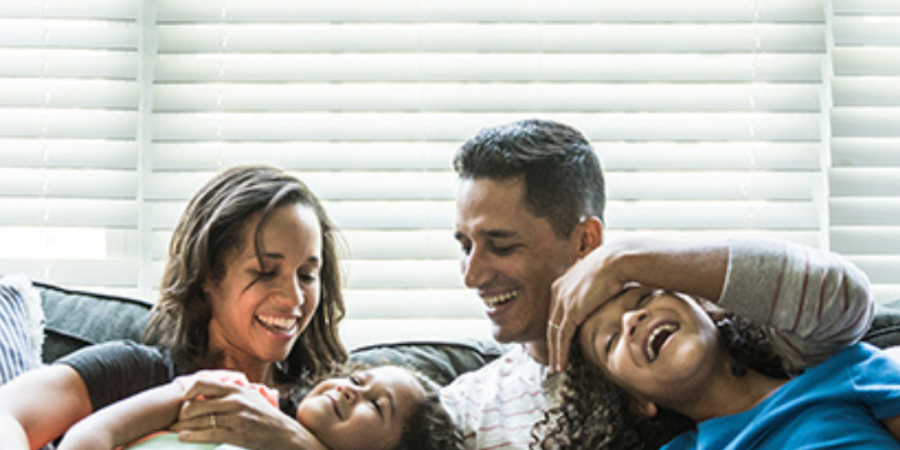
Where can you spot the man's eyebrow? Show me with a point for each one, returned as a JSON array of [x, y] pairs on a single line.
[[494, 233], [498, 234]]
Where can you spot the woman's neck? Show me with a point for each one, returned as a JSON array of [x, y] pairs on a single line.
[[256, 371], [730, 394]]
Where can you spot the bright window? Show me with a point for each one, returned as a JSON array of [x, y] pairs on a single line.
[[735, 117]]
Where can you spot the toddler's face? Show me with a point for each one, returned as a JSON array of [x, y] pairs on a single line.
[[366, 410]]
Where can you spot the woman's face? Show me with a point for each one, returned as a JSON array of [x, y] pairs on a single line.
[[259, 312], [364, 411], [657, 345]]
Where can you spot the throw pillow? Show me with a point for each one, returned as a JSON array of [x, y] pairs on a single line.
[[21, 327]]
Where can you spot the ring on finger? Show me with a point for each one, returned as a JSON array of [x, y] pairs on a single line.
[[553, 325], [213, 420]]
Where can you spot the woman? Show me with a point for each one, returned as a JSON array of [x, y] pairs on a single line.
[[380, 408], [251, 285], [658, 362]]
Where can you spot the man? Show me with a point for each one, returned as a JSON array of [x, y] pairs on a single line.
[[530, 207]]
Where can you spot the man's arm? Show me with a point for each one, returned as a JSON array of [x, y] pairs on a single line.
[[814, 302], [697, 268], [127, 420], [821, 301]]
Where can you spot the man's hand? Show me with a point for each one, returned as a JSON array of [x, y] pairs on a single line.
[[586, 286], [696, 268]]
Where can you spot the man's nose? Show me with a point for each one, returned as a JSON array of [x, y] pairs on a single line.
[[476, 268]]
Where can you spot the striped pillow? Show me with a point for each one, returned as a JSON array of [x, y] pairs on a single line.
[[21, 327]]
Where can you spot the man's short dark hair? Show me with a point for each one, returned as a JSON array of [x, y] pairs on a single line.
[[562, 175]]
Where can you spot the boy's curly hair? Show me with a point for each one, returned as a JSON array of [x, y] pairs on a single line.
[[595, 413]]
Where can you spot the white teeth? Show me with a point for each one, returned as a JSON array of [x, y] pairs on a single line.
[[670, 327], [500, 298], [280, 323]]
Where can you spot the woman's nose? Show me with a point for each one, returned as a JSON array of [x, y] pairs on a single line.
[[290, 289]]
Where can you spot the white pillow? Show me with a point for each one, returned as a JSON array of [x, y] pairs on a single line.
[[21, 327]]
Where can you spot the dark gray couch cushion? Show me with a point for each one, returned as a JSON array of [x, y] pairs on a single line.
[[440, 361], [885, 330], [76, 319]]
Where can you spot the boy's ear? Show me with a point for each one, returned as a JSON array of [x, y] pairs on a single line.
[[590, 235], [644, 408]]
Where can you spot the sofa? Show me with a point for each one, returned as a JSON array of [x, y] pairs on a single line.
[[74, 319]]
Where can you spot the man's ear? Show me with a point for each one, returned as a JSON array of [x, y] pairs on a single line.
[[590, 235], [644, 408]]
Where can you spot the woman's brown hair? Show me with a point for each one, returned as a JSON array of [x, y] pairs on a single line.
[[210, 229]]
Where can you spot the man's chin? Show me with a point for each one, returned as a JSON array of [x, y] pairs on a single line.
[[502, 336]]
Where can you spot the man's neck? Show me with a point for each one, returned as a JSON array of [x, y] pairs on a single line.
[[539, 351]]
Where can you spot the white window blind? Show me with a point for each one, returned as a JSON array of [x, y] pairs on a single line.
[[68, 121], [711, 119], [865, 138]]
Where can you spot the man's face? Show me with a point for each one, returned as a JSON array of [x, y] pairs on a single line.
[[510, 256]]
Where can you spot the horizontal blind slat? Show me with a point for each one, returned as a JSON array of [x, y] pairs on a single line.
[[68, 212], [488, 67], [864, 211], [499, 10], [577, 97], [449, 126], [491, 37]]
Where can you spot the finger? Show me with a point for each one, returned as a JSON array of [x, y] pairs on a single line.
[[565, 332], [208, 435], [209, 389], [556, 314]]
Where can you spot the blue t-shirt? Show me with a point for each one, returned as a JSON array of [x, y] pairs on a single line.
[[834, 405]]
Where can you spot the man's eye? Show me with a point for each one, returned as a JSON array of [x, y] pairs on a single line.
[[355, 380], [377, 407], [504, 249]]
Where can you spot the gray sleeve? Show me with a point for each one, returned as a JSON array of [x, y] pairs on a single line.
[[814, 302], [119, 369]]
